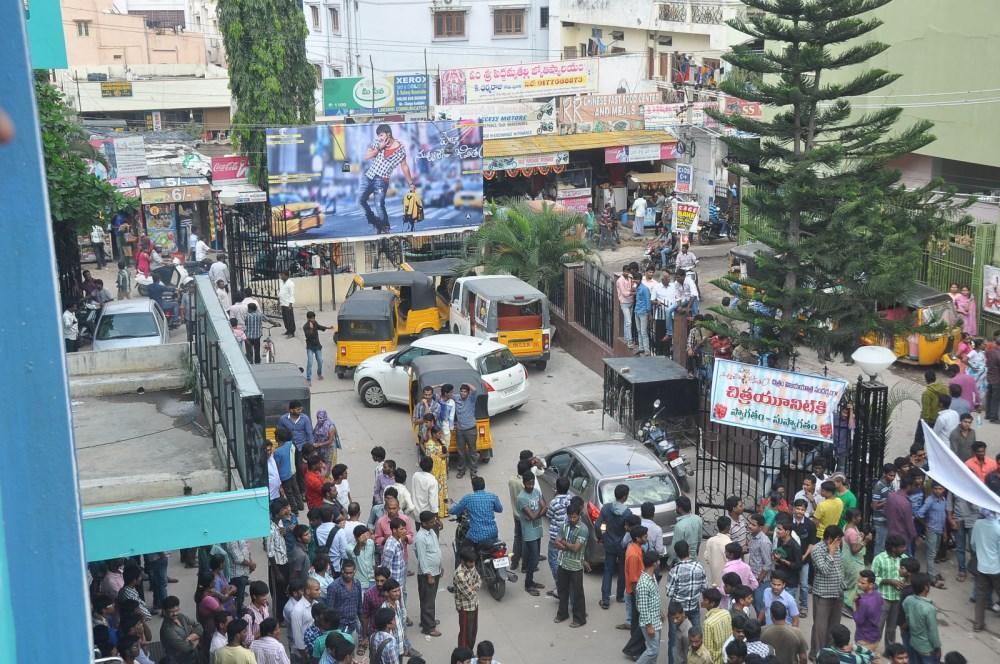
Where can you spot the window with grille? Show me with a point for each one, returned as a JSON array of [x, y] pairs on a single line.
[[544, 18], [314, 11], [83, 28], [449, 24], [334, 19], [508, 22]]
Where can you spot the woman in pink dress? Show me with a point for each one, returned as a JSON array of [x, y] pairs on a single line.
[[142, 265], [965, 304]]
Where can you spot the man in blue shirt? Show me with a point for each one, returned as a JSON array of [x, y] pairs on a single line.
[[480, 505], [298, 424], [156, 291], [284, 459], [467, 433], [643, 306]]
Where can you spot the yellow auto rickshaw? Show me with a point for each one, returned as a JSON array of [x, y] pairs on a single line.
[[443, 272], [366, 326], [928, 306], [417, 311], [743, 264], [437, 370]]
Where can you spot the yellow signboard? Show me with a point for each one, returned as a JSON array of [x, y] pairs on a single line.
[[116, 89]]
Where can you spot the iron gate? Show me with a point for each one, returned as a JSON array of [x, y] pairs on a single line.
[[258, 251]]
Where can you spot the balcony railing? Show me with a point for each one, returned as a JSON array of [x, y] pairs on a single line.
[[711, 14], [698, 12], [673, 11]]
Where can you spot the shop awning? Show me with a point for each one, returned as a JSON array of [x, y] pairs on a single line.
[[512, 147], [652, 178]]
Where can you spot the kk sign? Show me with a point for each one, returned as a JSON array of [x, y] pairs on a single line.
[[780, 402], [406, 93]]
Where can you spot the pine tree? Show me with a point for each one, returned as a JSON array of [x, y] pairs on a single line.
[[273, 84], [845, 233]]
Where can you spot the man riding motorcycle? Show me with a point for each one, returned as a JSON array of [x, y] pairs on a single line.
[[479, 506]]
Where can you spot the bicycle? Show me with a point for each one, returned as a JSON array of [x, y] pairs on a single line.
[[267, 354]]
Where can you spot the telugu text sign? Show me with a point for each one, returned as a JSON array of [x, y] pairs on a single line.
[[526, 161], [781, 402], [601, 113], [487, 84]]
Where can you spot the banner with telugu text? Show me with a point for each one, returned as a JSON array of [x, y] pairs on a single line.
[[783, 402]]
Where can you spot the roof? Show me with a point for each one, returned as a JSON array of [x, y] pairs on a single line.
[[434, 369], [921, 295], [502, 286], [751, 249], [458, 343], [648, 178], [511, 147], [396, 278], [619, 457], [441, 267], [646, 369], [281, 381], [133, 306], [365, 304]]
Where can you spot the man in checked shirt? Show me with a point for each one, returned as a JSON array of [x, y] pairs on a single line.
[[383, 156]]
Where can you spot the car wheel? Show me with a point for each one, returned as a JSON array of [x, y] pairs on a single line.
[[372, 395]]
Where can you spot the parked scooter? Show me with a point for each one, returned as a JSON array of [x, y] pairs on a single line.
[[660, 443], [492, 561]]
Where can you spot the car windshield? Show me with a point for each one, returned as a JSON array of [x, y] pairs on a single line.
[[656, 489], [127, 326], [498, 360]]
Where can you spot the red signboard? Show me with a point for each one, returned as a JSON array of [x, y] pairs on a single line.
[[229, 169]]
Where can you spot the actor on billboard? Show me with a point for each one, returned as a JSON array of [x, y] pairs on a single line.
[[383, 156]]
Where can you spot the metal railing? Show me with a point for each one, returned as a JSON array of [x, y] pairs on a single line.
[[258, 251], [594, 302], [386, 253], [234, 405], [673, 11]]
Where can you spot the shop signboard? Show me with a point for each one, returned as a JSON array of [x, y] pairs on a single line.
[[404, 93], [541, 79], [512, 120], [737, 106], [780, 402], [344, 182], [126, 156], [685, 214], [578, 204], [991, 290], [116, 88], [160, 222], [663, 117], [231, 169], [685, 175], [583, 114], [624, 154], [697, 117], [576, 192], [181, 194], [526, 161]]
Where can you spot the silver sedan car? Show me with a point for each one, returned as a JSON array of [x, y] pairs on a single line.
[[595, 469]]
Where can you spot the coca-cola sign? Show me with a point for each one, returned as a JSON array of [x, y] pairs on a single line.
[[229, 169]]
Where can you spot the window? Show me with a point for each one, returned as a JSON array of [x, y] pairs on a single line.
[[544, 18], [405, 358], [449, 24], [334, 19], [570, 52], [319, 74], [508, 22], [337, 73], [315, 18], [559, 462], [83, 28], [579, 478]]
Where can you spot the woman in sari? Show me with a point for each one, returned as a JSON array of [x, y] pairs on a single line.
[[965, 304], [437, 450], [852, 556], [327, 439], [976, 361]]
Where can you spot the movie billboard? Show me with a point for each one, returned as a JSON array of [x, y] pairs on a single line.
[[349, 182]]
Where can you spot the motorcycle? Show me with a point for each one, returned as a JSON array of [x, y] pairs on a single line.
[[718, 227], [660, 443], [492, 561]]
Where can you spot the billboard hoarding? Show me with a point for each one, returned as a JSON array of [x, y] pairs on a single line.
[[231, 169], [776, 401], [685, 215], [126, 157], [487, 84], [601, 113], [526, 161], [512, 120], [991, 290], [345, 182], [685, 177], [624, 154], [404, 93]]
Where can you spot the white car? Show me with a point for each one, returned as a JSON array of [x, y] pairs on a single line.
[[131, 323], [383, 378]]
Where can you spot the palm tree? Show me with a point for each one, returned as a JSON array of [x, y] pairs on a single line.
[[530, 244]]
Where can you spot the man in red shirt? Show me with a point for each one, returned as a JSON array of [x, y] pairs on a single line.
[[314, 482], [633, 570], [979, 463]]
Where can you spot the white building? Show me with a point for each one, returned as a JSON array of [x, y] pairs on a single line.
[[347, 37]]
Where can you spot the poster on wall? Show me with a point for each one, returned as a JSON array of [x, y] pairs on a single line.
[[780, 402], [624, 154], [126, 157], [513, 120], [685, 216], [160, 227], [601, 113], [404, 93], [338, 182], [526, 161], [685, 176], [663, 117], [487, 84], [991, 290]]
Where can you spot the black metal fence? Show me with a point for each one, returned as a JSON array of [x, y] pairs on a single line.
[[258, 251], [594, 302], [386, 253]]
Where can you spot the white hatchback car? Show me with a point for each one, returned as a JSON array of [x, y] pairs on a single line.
[[383, 378], [131, 323]]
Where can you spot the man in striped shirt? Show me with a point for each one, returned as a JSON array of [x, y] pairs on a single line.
[[267, 649], [647, 600], [556, 514], [718, 625]]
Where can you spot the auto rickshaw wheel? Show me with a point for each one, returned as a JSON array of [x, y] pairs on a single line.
[[341, 372], [485, 456], [541, 364], [426, 333]]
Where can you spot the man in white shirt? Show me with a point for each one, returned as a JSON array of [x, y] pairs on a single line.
[[638, 215], [425, 487], [286, 299], [71, 328], [201, 250], [302, 617], [674, 296], [219, 270], [273, 477], [344, 540], [97, 242], [239, 309], [691, 292], [224, 299], [809, 494], [686, 260], [406, 505], [947, 419], [192, 244]]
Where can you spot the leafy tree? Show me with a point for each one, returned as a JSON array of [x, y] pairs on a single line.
[[529, 244], [845, 233], [273, 84]]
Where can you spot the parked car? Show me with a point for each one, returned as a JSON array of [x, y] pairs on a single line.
[[383, 378], [595, 469], [131, 323]]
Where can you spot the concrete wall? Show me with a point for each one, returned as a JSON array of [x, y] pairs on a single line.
[[127, 360], [147, 95]]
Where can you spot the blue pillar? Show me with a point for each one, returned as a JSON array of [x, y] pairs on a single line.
[[43, 605]]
